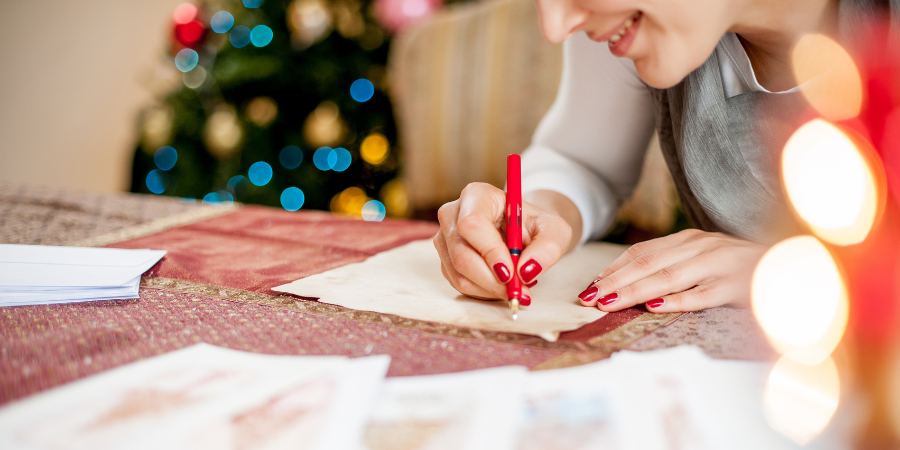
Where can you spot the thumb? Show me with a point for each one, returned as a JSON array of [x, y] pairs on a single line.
[[550, 237]]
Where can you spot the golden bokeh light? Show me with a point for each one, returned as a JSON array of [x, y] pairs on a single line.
[[799, 400], [349, 201], [800, 300], [829, 77], [324, 127], [374, 149], [396, 201], [223, 133], [830, 183], [262, 111]]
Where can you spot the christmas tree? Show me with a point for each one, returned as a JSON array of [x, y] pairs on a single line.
[[279, 103]]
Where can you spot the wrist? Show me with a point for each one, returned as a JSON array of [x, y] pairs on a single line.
[[555, 203]]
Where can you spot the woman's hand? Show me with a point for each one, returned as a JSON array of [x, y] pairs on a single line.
[[474, 257], [687, 271]]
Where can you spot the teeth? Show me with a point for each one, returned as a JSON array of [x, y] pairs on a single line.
[[629, 23], [621, 32], [615, 38]]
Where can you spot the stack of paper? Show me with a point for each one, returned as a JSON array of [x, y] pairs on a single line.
[[213, 398], [37, 274]]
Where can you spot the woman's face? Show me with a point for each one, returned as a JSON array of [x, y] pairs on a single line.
[[666, 39]]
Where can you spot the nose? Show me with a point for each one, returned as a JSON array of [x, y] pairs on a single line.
[[560, 18]]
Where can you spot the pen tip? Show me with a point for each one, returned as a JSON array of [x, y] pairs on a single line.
[[515, 316], [514, 306]]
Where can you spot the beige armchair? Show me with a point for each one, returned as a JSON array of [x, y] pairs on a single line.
[[469, 87]]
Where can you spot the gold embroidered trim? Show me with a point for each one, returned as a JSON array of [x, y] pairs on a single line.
[[616, 339], [156, 226], [597, 346]]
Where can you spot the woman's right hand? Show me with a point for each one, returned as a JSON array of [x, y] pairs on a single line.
[[471, 244]]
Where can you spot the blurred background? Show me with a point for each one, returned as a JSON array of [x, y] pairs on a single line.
[[371, 108]]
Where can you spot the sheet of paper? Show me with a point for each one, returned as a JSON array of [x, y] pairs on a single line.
[[570, 409], [461, 411], [407, 281], [40, 267], [163, 402]]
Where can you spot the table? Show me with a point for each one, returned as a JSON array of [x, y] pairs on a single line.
[[213, 286]]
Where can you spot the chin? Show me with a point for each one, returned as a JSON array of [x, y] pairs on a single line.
[[660, 76]]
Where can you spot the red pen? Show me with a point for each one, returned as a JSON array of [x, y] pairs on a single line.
[[514, 228]]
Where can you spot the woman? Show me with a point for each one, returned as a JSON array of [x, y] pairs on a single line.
[[714, 78]]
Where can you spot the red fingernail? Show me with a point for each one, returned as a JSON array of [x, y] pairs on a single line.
[[525, 300], [530, 270], [609, 299], [502, 272], [592, 283], [655, 303], [589, 294], [532, 283]]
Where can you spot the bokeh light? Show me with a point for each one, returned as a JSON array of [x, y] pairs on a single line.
[[165, 157], [262, 111], [238, 185], [184, 13], [362, 90], [799, 400], [221, 22], [223, 133], [189, 34], [829, 182], [374, 149], [260, 173], [373, 211], [324, 127], [342, 159], [261, 35], [800, 300], [253, 3], [186, 59], [157, 181], [828, 77], [239, 36], [349, 201], [218, 198], [324, 158], [292, 199], [194, 78], [290, 157], [393, 195]]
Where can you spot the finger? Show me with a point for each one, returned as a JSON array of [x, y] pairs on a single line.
[[550, 239], [653, 245], [458, 281], [471, 266], [642, 267], [675, 278], [481, 210], [695, 299]]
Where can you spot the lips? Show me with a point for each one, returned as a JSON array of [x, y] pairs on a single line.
[[620, 39]]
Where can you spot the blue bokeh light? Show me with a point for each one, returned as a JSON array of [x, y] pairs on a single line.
[[157, 181], [292, 199], [291, 157], [323, 158], [342, 159], [253, 3], [235, 181], [221, 22], [260, 173], [165, 157], [373, 211], [239, 36], [223, 198], [362, 90], [261, 35], [186, 60]]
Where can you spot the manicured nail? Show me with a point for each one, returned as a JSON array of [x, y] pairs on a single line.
[[655, 303], [530, 270], [593, 283], [609, 299], [532, 283], [525, 300], [589, 294], [502, 272]]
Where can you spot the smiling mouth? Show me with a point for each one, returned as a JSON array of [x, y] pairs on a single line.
[[626, 26]]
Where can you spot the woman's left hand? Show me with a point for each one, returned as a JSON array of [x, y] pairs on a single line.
[[687, 271]]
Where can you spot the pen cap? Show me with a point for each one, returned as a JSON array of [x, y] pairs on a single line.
[[514, 202]]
